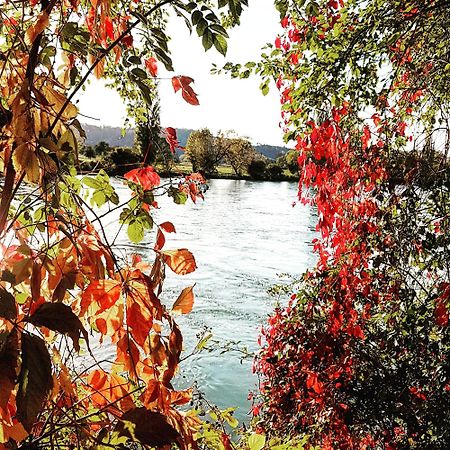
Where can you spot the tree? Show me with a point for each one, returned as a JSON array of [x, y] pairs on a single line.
[[359, 358], [60, 274], [238, 152], [257, 168], [203, 151]]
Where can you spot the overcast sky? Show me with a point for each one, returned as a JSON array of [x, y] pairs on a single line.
[[225, 104]]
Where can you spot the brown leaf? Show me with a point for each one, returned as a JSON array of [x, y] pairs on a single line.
[[8, 308], [147, 427], [185, 301], [35, 380], [59, 317], [181, 261], [25, 160], [37, 28]]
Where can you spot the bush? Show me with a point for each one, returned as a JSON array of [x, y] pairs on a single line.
[[257, 169]]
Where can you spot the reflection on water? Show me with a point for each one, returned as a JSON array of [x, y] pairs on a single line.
[[242, 236]]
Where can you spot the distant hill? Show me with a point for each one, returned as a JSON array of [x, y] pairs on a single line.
[[113, 136]]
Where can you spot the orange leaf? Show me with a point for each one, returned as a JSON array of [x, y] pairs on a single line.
[[37, 28], [181, 261], [103, 292], [185, 301], [139, 322]]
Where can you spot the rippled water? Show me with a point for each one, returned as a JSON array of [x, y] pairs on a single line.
[[243, 235]]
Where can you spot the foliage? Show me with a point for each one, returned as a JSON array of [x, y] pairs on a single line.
[[203, 152], [61, 276], [359, 358], [239, 152], [257, 168]]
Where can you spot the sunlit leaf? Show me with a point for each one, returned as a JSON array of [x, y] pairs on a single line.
[[185, 301], [181, 261]]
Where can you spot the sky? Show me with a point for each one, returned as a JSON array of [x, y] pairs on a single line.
[[225, 104]]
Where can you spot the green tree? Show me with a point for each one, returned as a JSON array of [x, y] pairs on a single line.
[[203, 152]]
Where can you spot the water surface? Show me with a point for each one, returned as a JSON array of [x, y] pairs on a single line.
[[243, 235]]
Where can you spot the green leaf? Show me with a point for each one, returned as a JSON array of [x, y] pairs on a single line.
[[35, 380], [256, 441], [196, 16], [202, 26], [135, 231], [220, 43], [219, 29], [207, 40], [179, 197], [140, 73]]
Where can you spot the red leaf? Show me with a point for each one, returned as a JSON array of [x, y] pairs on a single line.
[[441, 314], [167, 227], [145, 177], [172, 140], [183, 83], [151, 66], [160, 241]]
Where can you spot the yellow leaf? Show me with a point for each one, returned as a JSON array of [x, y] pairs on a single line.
[[185, 301], [25, 159], [57, 100], [37, 28]]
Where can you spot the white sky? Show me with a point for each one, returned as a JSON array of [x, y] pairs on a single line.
[[225, 104]]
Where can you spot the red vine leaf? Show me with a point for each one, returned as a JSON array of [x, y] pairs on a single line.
[[184, 83]]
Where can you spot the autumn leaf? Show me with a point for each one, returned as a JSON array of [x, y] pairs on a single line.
[[35, 379], [172, 140], [60, 317], [168, 227], [160, 241], [104, 293], [184, 83], [37, 28], [181, 261], [152, 66], [147, 427], [185, 301], [145, 177], [25, 160]]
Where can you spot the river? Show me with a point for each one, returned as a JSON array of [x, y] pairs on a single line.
[[243, 235]]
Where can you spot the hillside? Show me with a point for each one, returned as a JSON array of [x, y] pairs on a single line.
[[113, 136]]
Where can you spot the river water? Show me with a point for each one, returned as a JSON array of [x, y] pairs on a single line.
[[243, 235]]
